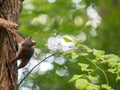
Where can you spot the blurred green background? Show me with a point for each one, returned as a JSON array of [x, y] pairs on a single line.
[[43, 19]]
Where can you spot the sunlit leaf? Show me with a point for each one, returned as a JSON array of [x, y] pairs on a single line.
[[106, 87], [118, 77], [67, 39], [74, 55], [98, 53], [112, 60], [93, 79], [112, 57], [81, 84], [75, 77], [84, 54], [83, 66], [87, 48], [93, 87], [111, 70]]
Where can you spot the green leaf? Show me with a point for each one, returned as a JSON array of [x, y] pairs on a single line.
[[84, 54], [74, 55], [93, 79], [98, 53], [112, 60], [93, 87], [81, 84], [118, 77], [112, 57], [67, 39], [111, 70], [75, 77], [87, 48], [83, 66], [106, 87]]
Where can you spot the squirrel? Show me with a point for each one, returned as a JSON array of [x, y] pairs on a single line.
[[25, 49]]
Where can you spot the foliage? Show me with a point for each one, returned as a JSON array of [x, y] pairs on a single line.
[[91, 69], [90, 79]]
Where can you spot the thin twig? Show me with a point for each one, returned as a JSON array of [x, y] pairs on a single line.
[[35, 67], [105, 75], [40, 63]]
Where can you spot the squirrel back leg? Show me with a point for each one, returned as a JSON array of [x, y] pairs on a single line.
[[18, 56]]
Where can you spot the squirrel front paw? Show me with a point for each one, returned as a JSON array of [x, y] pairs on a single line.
[[7, 24], [10, 26]]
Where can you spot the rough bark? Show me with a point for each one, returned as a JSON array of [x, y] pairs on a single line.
[[9, 10]]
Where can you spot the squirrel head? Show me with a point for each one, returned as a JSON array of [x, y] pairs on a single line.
[[28, 42]]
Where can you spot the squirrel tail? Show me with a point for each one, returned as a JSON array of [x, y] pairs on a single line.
[[24, 61]]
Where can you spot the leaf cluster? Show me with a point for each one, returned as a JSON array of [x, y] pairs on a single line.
[[97, 60]]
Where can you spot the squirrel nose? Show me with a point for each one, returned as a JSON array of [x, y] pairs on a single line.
[[33, 43]]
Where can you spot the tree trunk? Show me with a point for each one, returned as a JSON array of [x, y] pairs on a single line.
[[9, 10]]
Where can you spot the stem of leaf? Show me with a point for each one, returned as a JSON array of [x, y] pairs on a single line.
[[105, 75]]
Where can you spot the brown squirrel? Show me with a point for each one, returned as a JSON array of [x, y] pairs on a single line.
[[25, 49]]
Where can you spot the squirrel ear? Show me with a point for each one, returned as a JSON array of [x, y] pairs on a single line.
[[30, 37]]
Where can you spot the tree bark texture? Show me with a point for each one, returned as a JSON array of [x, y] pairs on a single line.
[[9, 10]]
